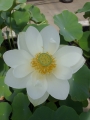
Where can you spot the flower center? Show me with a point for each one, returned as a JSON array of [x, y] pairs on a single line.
[[44, 59], [44, 63]]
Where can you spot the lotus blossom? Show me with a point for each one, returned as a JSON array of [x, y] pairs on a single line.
[[42, 65]]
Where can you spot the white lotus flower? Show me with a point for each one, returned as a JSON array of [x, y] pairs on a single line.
[[41, 66]]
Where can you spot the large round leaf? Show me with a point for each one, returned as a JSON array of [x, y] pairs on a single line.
[[5, 4], [5, 110], [84, 42], [69, 26], [79, 84], [20, 107]]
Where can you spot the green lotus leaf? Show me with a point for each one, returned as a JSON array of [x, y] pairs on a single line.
[[86, 15], [51, 105], [16, 28], [43, 113], [36, 15], [79, 84], [21, 17], [66, 113], [5, 4], [70, 29], [84, 42], [4, 89], [85, 115], [20, 107], [62, 113], [5, 110], [15, 92], [76, 105], [85, 103], [85, 8]]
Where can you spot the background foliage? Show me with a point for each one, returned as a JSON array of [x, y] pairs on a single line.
[[15, 104]]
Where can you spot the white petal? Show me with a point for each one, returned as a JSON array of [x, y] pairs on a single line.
[[18, 83], [33, 40], [51, 39], [62, 72], [39, 101], [57, 88], [22, 42], [22, 70], [76, 67], [68, 55], [14, 58], [37, 86]]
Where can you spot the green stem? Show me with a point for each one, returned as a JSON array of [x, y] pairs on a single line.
[[9, 42], [11, 32], [89, 23], [9, 39]]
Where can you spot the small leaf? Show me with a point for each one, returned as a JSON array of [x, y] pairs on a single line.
[[69, 26], [4, 89], [5, 110], [5, 4], [86, 8], [36, 15], [51, 99], [86, 15], [16, 91], [21, 17], [15, 27], [43, 113], [85, 115], [51, 105], [79, 84], [20, 107], [77, 106], [66, 113], [84, 42], [85, 103]]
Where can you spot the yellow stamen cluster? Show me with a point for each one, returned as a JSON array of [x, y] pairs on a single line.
[[44, 63]]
